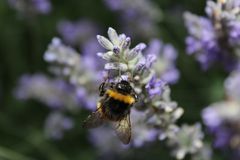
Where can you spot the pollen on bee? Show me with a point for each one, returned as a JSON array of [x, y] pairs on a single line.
[[118, 96]]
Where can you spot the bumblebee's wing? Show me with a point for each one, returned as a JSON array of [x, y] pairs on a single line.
[[123, 129], [95, 119]]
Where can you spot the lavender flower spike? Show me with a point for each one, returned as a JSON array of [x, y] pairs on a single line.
[[188, 140], [154, 116], [222, 118], [118, 46], [68, 63], [55, 93], [165, 56], [215, 38]]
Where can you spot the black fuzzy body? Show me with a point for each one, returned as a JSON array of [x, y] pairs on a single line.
[[113, 109]]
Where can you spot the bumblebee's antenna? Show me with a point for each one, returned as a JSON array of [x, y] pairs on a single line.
[[103, 85]]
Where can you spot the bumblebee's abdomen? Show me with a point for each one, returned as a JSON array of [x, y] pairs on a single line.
[[114, 109], [127, 99], [117, 106]]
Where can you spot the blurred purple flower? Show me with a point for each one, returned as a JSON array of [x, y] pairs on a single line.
[[165, 60], [77, 33], [146, 15], [87, 100], [141, 132], [216, 127], [34, 6], [56, 124], [188, 139], [82, 34], [104, 139], [42, 6], [169, 52], [170, 76], [90, 58], [201, 40], [83, 71], [211, 118], [55, 93], [232, 84], [114, 4], [222, 118], [222, 123], [234, 32], [222, 137], [216, 38]]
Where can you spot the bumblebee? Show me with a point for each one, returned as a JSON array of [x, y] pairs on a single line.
[[114, 106]]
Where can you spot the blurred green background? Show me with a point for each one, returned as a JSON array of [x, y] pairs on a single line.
[[22, 44]]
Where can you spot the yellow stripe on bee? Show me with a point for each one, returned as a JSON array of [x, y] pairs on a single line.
[[118, 96]]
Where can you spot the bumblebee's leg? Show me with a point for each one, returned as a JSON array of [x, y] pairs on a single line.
[[102, 89], [112, 85], [98, 105], [135, 95]]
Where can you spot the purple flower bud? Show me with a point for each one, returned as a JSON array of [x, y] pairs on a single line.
[[116, 50], [150, 59], [140, 47], [127, 43], [155, 87]]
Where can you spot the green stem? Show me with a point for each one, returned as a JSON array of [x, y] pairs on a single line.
[[8, 154]]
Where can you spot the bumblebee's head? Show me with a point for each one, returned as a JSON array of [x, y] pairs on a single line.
[[124, 87]]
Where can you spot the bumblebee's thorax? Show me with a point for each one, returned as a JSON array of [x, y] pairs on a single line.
[[122, 97]]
